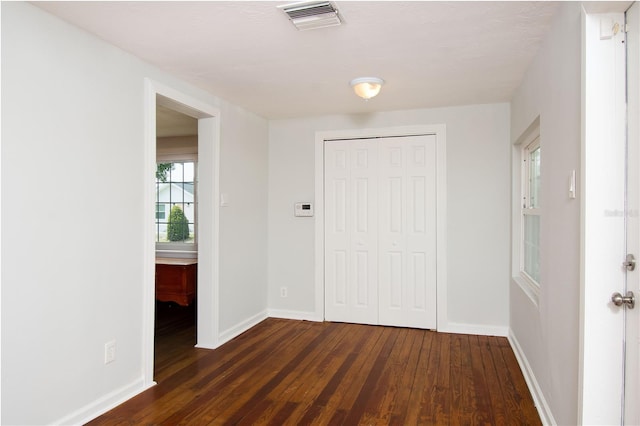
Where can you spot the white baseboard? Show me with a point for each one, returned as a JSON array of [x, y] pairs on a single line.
[[480, 330], [536, 393], [240, 328], [295, 315], [104, 404]]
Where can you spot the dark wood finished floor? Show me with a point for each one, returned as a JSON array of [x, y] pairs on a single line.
[[285, 372]]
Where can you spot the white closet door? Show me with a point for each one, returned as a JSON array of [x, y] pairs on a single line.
[[407, 231], [351, 272], [380, 231]]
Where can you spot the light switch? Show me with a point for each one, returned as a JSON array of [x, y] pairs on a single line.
[[572, 184], [224, 199]]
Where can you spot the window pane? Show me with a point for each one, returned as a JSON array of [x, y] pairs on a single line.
[[162, 193], [161, 233], [189, 172], [160, 211], [177, 172], [177, 192], [534, 178], [189, 192], [531, 246], [162, 171]]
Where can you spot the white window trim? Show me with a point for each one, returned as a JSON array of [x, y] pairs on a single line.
[[531, 137], [181, 249]]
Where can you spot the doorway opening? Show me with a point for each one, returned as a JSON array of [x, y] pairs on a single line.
[[176, 224], [197, 245]]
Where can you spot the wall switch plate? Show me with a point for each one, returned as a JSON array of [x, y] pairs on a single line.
[[109, 352], [283, 292]]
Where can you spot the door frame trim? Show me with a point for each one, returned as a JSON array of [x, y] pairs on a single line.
[[438, 130], [208, 213]]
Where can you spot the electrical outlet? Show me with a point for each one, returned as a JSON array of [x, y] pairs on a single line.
[[283, 292], [109, 352]]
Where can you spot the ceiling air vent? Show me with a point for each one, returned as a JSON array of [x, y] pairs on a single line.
[[308, 15]]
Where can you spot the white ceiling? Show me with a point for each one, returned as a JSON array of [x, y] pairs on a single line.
[[430, 54]]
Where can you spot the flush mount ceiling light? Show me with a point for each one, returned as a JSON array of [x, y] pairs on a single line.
[[308, 15], [367, 87]]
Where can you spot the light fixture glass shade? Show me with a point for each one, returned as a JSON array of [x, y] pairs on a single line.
[[367, 87]]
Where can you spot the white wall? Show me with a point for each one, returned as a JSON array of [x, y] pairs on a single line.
[[478, 185], [548, 333], [243, 222], [72, 110]]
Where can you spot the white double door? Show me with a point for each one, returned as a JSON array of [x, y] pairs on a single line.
[[380, 231]]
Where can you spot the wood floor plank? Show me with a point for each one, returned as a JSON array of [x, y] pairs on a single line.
[[498, 409], [409, 361], [302, 357], [423, 388], [329, 376], [389, 385], [342, 400], [526, 407], [456, 380], [442, 402], [303, 383], [284, 372], [244, 383], [233, 372], [515, 394], [483, 414], [359, 406]]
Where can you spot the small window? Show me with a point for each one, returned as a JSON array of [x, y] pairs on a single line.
[[530, 248], [176, 204]]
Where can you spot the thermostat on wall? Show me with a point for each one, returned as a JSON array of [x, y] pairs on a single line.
[[303, 209]]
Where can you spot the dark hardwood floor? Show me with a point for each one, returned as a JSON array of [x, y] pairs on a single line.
[[285, 372]]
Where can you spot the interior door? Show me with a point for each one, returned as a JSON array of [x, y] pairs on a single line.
[[407, 231], [351, 231], [632, 320], [603, 220], [380, 231]]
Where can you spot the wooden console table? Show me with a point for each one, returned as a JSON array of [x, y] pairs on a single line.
[[176, 280]]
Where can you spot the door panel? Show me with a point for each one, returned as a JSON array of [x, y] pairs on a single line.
[[340, 278], [603, 221], [407, 234], [391, 238], [337, 174], [351, 231], [421, 233]]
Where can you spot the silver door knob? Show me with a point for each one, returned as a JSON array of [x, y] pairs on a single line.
[[620, 300]]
